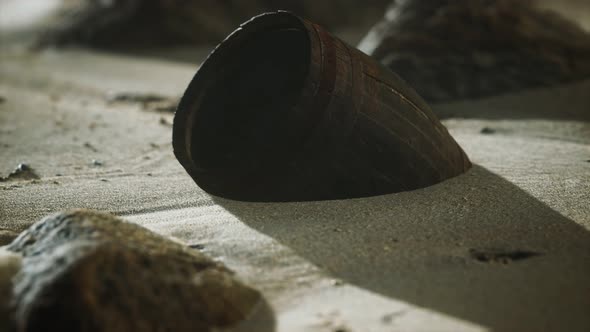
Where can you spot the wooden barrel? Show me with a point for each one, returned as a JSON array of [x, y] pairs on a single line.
[[282, 110]]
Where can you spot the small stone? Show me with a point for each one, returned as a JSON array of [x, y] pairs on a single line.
[[21, 172], [90, 271], [90, 146], [22, 168], [97, 163], [487, 131], [164, 122], [492, 255], [337, 282]]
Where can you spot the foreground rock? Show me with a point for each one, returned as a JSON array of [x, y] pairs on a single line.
[[6, 236], [10, 264], [90, 271], [449, 50]]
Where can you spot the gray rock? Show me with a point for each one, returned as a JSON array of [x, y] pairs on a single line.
[[21, 172], [451, 50], [90, 271], [10, 264], [121, 23], [6, 236]]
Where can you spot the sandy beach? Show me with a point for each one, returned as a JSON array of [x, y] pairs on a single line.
[[504, 247]]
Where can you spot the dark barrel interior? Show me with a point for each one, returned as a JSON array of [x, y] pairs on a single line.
[[246, 127], [272, 115]]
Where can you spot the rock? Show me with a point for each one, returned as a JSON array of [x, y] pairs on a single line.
[[6, 236], [487, 131], [90, 271], [21, 172], [122, 23], [494, 255], [10, 264], [450, 50]]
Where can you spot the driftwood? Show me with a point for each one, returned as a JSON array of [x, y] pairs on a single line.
[[281, 110]]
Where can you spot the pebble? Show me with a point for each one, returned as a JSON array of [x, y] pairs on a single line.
[[487, 131], [21, 172]]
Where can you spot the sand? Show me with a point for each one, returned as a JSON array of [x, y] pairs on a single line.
[[504, 247]]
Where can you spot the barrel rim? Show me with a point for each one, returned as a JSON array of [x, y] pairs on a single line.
[[186, 111]]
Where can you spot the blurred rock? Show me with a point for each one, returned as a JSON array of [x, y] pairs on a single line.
[[449, 50], [164, 22], [89, 271], [10, 264], [6, 236]]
